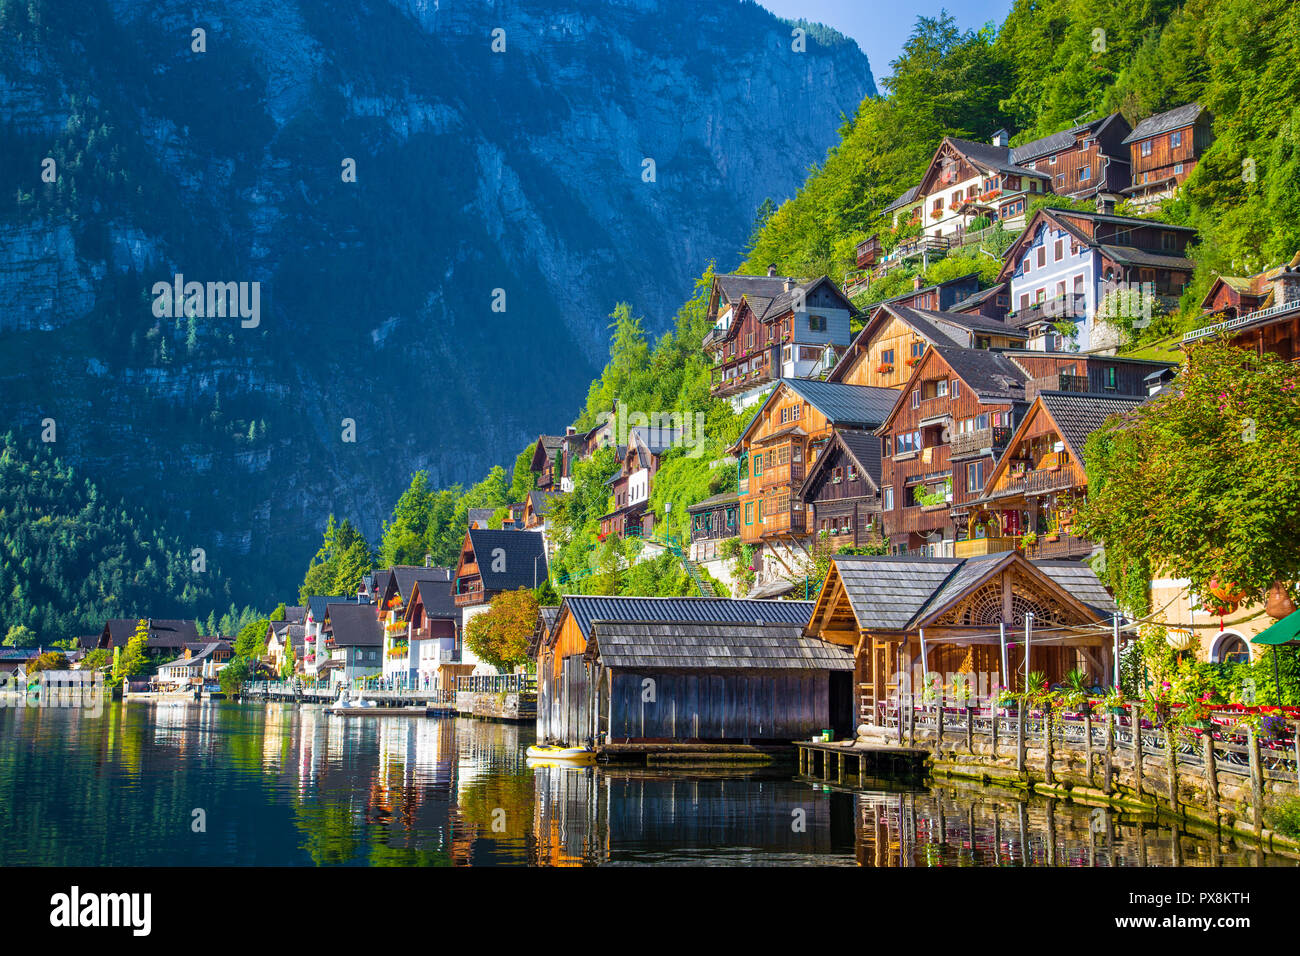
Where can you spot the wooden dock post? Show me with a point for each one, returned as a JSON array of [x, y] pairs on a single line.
[[839, 767], [939, 727], [803, 760], [994, 708], [970, 730], [1087, 741], [1171, 768], [1049, 775], [1211, 775], [1256, 782], [1135, 712], [1020, 737], [911, 719], [1108, 777]]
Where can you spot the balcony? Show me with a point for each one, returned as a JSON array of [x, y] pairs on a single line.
[[1061, 308], [975, 547], [979, 441], [1066, 547]]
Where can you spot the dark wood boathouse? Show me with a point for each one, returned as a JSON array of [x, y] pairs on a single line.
[[709, 671]]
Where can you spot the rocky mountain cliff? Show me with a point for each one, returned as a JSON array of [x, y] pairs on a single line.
[[440, 200]]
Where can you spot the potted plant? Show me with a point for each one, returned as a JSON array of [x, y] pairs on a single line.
[[1028, 540]]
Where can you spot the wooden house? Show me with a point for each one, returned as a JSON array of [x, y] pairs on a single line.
[[1264, 316], [316, 636], [951, 421], [401, 650], [355, 640], [630, 485], [895, 338], [1039, 483], [938, 296], [967, 180], [775, 330], [1065, 263], [906, 209], [166, 637], [713, 520], [636, 672], [906, 618], [1091, 158], [991, 303], [536, 507], [433, 624], [1164, 149], [842, 490], [199, 664], [783, 438], [492, 561], [548, 461]]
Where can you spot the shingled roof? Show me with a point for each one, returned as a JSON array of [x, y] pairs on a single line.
[[853, 406], [660, 645], [1177, 118], [897, 593], [1079, 414], [991, 375], [587, 609], [908, 196], [163, 634], [523, 558], [355, 625]]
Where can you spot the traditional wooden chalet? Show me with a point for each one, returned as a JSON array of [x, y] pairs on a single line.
[[495, 561], [199, 664], [1164, 149], [937, 297], [784, 437], [433, 625], [281, 637], [480, 517], [165, 637], [1066, 262], [546, 617], [940, 440], [1039, 483], [713, 520], [536, 507], [842, 490], [355, 640], [991, 303], [548, 461], [895, 337], [789, 329], [401, 660], [1081, 162], [718, 671], [968, 180], [905, 617], [1263, 314], [630, 485]]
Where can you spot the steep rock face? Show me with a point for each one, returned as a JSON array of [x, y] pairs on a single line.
[[476, 171]]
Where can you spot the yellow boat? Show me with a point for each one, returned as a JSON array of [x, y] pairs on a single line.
[[568, 754]]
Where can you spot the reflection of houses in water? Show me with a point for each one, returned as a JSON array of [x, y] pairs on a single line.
[[981, 827], [569, 823]]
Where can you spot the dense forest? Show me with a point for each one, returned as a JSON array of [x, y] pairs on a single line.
[[71, 558], [1050, 65]]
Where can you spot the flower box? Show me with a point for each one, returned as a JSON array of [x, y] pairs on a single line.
[[884, 369]]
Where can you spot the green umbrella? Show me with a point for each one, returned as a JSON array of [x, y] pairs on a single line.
[[1285, 631]]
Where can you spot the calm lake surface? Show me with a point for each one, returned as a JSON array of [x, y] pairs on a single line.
[[221, 783]]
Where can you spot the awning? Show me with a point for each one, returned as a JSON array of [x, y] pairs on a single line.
[[1285, 631]]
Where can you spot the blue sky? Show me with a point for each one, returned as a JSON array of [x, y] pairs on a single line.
[[881, 26]]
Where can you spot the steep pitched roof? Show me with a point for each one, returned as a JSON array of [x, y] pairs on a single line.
[[168, 634], [316, 604], [979, 298], [477, 515], [863, 449], [355, 625], [1078, 415], [909, 196], [541, 500], [406, 577], [668, 644], [522, 558], [851, 406], [713, 501], [545, 447], [1166, 122], [438, 599], [682, 610], [991, 375]]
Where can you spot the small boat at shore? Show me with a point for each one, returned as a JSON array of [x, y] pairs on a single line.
[[345, 705], [548, 752]]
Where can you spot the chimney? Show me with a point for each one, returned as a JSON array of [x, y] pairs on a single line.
[[428, 560], [787, 285], [569, 430], [1001, 138], [916, 283], [1286, 285], [771, 270], [362, 596]]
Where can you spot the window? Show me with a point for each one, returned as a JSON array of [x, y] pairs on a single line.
[[888, 447], [749, 340], [1078, 285], [887, 498], [758, 465], [975, 477], [817, 323], [1060, 289], [887, 357], [1052, 161], [956, 388], [1178, 169], [749, 512], [1085, 174], [1175, 139], [916, 398], [1167, 240], [1110, 377], [1028, 266], [941, 389], [1042, 256], [731, 517], [785, 354], [1024, 300], [1146, 147], [760, 510], [1059, 250]]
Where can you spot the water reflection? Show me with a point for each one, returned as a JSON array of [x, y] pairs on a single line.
[[284, 784]]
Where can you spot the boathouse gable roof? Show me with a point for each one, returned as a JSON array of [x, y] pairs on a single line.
[[665, 645], [588, 609]]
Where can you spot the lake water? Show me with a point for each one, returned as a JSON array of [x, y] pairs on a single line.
[[222, 783]]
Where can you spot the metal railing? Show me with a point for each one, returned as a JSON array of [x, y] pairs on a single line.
[[1230, 324], [497, 684]]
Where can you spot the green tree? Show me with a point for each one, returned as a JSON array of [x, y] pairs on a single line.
[[133, 659], [251, 640], [49, 661], [20, 635], [279, 612], [1203, 482], [501, 634], [233, 675]]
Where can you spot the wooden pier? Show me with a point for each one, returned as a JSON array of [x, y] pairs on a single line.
[[842, 763], [436, 701]]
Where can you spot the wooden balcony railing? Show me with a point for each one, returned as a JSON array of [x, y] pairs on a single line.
[[972, 443]]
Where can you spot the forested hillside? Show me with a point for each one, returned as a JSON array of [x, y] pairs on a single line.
[[1050, 65], [70, 557]]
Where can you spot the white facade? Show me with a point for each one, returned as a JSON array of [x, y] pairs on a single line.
[[1057, 269]]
